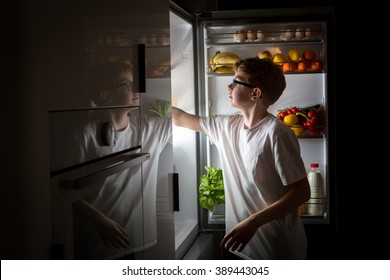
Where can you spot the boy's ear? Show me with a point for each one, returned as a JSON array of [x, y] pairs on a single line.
[[257, 93], [105, 96]]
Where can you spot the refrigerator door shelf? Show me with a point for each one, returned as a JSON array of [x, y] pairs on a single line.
[[217, 216]]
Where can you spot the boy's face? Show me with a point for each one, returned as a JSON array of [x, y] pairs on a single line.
[[239, 94], [122, 93]]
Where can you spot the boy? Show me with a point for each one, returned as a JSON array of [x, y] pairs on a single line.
[[264, 175]]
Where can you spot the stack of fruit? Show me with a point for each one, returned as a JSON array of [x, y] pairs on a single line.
[[295, 60], [222, 62], [306, 121]]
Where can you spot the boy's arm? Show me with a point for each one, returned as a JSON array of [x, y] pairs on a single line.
[[112, 233], [184, 119]]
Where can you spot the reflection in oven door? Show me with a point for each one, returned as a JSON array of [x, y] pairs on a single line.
[[97, 186], [99, 211]]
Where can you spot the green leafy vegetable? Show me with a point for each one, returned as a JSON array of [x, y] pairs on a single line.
[[161, 108], [211, 188]]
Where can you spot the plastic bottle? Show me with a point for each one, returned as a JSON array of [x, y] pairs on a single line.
[[316, 203]]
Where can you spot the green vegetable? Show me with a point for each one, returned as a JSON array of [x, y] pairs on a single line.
[[211, 188], [303, 115], [161, 108]]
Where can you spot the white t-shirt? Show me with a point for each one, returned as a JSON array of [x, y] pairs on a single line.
[[257, 164], [126, 197]]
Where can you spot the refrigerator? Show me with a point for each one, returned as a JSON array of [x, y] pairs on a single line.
[[249, 33]]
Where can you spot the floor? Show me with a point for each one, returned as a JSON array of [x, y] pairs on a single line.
[[206, 247]]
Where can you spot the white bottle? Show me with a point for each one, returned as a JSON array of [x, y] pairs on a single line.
[[316, 202]]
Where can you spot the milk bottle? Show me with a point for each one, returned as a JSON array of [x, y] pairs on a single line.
[[316, 203]]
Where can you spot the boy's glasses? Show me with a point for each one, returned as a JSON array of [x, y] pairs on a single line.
[[127, 83], [234, 82]]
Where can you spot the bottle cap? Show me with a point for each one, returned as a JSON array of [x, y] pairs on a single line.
[[314, 165]]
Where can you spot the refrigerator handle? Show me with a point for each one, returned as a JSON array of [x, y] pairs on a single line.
[[84, 176], [139, 68], [175, 184]]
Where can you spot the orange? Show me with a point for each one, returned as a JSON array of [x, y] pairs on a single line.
[[309, 55], [302, 66], [316, 65], [288, 67]]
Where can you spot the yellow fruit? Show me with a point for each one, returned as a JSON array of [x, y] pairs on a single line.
[[223, 59], [279, 59], [224, 70], [265, 54], [290, 119], [222, 62], [298, 130], [294, 55]]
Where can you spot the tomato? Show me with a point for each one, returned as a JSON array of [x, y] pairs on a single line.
[[295, 110], [313, 120], [282, 114], [311, 114], [290, 112]]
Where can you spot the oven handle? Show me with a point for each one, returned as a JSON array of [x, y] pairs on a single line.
[[84, 176]]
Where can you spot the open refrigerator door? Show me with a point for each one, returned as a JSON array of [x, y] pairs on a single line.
[[300, 46]]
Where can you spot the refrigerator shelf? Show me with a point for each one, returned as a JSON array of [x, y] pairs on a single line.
[[214, 74], [272, 41]]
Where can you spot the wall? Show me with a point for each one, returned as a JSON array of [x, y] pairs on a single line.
[[25, 191]]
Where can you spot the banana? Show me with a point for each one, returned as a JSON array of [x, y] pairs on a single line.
[[224, 70], [225, 60]]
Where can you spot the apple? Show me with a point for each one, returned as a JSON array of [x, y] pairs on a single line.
[[265, 54]]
